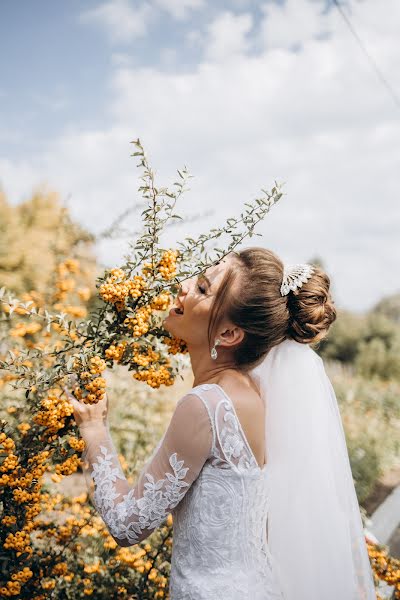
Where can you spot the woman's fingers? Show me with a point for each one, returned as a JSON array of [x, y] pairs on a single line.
[[84, 413], [75, 405]]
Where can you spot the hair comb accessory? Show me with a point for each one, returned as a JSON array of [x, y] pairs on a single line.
[[294, 276]]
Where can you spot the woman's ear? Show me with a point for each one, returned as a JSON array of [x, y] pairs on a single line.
[[231, 336]]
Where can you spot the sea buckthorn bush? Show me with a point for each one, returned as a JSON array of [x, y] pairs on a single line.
[[53, 546]]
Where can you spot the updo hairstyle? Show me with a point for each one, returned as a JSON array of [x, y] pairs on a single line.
[[249, 296]]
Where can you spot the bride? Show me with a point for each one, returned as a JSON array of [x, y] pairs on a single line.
[[253, 465]]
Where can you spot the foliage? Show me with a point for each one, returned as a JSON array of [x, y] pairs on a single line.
[[389, 307], [343, 338], [386, 569], [33, 236], [370, 411], [369, 342], [46, 337]]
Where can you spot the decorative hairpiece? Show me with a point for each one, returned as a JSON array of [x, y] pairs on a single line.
[[294, 276]]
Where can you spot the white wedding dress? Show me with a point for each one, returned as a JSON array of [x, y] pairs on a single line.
[[204, 472]]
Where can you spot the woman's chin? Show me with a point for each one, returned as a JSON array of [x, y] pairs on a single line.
[[173, 329], [167, 324]]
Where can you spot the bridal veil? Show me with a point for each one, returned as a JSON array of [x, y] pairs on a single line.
[[314, 526]]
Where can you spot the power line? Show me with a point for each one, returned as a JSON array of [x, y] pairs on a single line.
[[377, 70]]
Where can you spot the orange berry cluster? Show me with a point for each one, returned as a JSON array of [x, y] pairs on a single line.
[[48, 584], [155, 377], [62, 331], [84, 293], [35, 297], [144, 358], [140, 323], [7, 443], [60, 569], [23, 575], [76, 444], [9, 520], [97, 365], [19, 480], [13, 587], [117, 288], [23, 428], [21, 496], [70, 265], [54, 412], [93, 568], [11, 461], [175, 345], [20, 541], [167, 264], [75, 311], [147, 268], [115, 352], [65, 284], [69, 466], [385, 567], [88, 589], [23, 329], [7, 377], [93, 386], [161, 302]]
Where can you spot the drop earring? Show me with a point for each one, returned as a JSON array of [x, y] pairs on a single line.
[[214, 353]]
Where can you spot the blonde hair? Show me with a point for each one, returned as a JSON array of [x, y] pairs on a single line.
[[255, 305]]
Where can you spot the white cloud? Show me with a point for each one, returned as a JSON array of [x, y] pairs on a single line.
[[180, 9], [294, 22], [227, 36], [194, 38], [122, 20], [317, 119], [125, 20]]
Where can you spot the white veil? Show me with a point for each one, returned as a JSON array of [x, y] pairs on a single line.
[[315, 532]]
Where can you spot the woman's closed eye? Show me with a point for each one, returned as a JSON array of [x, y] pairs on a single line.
[[201, 288]]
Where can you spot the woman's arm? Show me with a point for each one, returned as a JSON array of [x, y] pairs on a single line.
[[132, 513]]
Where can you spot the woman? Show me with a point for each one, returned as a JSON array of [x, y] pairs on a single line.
[[253, 465]]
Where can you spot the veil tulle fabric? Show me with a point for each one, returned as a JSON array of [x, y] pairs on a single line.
[[315, 532]]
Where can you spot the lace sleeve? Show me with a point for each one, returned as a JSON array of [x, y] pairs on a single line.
[[132, 513]]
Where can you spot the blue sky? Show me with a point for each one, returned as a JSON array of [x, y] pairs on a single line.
[[55, 73], [243, 92]]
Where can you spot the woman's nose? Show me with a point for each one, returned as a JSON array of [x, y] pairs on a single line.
[[180, 291], [184, 286], [184, 289]]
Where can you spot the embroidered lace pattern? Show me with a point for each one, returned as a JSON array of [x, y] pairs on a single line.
[[204, 472], [151, 510]]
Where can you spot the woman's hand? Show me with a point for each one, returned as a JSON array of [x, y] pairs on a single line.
[[88, 414]]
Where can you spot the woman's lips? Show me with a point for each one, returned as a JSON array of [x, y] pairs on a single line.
[[173, 311]]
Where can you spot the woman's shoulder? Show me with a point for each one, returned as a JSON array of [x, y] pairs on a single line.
[[240, 390], [238, 385], [243, 393], [250, 410]]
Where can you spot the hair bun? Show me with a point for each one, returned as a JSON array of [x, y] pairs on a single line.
[[311, 309]]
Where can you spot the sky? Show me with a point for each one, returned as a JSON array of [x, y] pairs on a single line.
[[242, 92]]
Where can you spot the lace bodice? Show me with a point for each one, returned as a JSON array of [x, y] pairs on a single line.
[[204, 472]]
